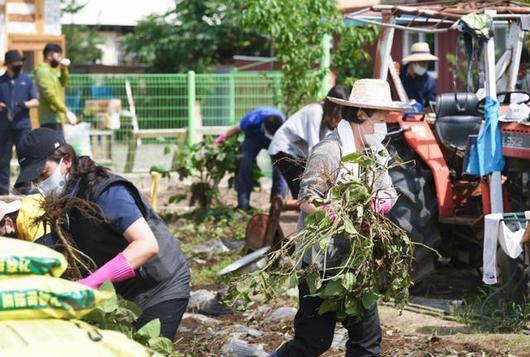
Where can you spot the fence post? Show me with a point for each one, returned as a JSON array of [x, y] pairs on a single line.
[[191, 108], [278, 98], [232, 96], [325, 63]]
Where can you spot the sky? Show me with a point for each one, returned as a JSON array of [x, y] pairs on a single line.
[[117, 12]]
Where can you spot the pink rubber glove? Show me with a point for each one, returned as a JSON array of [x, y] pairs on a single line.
[[220, 139], [382, 203], [117, 269], [332, 216]]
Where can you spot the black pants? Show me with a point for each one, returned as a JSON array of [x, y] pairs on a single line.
[[291, 169], [9, 136], [169, 312], [249, 150], [313, 333]]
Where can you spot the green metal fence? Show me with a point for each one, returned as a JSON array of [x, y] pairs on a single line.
[[167, 101], [161, 100]]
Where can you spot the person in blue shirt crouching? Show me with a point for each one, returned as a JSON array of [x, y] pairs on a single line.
[[17, 96], [259, 126]]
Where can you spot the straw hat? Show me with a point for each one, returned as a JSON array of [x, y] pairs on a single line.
[[371, 94], [419, 52], [7, 208]]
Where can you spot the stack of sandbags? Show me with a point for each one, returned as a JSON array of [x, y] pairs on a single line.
[[33, 299]]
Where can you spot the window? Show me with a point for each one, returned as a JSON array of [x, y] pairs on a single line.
[[410, 38]]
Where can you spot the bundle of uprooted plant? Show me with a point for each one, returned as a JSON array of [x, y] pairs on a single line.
[[375, 260], [56, 209]]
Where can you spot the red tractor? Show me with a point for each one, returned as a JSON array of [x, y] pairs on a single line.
[[439, 204]]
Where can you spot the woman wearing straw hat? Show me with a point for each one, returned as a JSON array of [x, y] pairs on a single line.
[[418, 84], [363, 127]]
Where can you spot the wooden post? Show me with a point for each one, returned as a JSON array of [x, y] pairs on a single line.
[[384, 47], [515, 45], [135, 140], [155, 179], [490, 85], [197, 119], [396, 81], [191, 107], [39, 16], [232, 97], [501, 67]]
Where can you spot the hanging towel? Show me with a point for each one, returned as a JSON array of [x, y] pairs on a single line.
[[347, 140], [486, 156], [510, 242], [477, 30], [382, 182]]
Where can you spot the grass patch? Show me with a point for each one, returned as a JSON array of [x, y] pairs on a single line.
[[486, 313], [223, 223], [205, 274]]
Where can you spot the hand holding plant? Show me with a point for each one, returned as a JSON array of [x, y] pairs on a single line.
[[358, 256]]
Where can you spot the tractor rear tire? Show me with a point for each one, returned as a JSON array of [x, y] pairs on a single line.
[[416, 210]]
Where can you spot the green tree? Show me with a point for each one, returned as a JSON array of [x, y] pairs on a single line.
[[81, 41], [195, 35], [295, 29]]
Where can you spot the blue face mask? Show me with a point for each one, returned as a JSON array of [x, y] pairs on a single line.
[[55, 184]]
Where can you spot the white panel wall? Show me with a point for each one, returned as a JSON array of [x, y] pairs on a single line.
[[21, 27], [20, 8], [110, 48], [52, 17]]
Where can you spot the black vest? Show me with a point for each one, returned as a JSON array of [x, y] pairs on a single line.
[[101, 243]]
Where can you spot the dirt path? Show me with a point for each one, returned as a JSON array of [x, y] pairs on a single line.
[[411, 334], [405, 333]]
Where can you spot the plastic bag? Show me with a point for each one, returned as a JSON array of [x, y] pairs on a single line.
[[23, 258], [39, 297], [59, 338], [79, 137]]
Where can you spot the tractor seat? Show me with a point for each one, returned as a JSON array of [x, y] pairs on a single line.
[[456, 119]]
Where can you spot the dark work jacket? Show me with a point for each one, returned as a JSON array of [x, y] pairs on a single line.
[[101, 243], [13, 91], [421, 88]]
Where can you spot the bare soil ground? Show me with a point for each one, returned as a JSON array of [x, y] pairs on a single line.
[[405, 333]]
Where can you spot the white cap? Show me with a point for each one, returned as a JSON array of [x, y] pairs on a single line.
[[7, 208]]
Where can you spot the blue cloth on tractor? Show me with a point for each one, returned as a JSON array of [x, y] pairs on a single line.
[[486, 156]]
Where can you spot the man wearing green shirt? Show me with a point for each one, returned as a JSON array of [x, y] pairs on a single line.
[[50, 83]]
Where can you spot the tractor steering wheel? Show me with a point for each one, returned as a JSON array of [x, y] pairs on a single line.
[[505, 98]]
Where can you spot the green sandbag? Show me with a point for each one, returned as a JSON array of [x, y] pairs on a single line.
[[58, 338], [19, 257]]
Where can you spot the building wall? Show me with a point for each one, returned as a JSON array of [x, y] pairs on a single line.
[[111, 48], [34, 19], [445, 44]]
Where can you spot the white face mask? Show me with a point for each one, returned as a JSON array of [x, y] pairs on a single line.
[[56, 183], [375, 140], [419, 70]]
